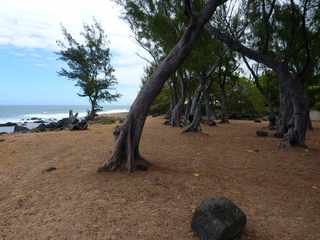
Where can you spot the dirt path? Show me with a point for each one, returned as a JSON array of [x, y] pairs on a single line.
[[278, 189]]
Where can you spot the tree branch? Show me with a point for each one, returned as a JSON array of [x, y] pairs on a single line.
[[306, 41], [235, 45]]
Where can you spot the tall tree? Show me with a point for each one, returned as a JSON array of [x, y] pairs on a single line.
[[277, 31], [126, 150], [157, 26], [89, 65]]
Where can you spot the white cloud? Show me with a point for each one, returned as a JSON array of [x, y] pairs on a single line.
[[36, 24]]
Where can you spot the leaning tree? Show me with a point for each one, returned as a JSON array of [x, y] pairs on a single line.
[[126, 153], [157, 26], [283, 37]]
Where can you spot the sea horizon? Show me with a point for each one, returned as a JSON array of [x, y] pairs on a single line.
[[19, 113]]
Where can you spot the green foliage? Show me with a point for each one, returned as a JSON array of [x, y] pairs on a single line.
[[104, 121], [88, 64], [161, 105], [269, 89], [287, 30], [244, 99], [162, 102], [254, 97]]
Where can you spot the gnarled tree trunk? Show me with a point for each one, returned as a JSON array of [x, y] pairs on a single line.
[[292, 95], [176, 112], [126, 150], [286, 108], [195, 110], [195, 114], [293, 107], [93, 111], [297, 132]]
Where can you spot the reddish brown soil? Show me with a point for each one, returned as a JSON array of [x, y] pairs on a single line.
[[278, 189]]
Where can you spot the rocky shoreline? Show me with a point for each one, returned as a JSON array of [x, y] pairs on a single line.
[[71, 123], [40, 125]]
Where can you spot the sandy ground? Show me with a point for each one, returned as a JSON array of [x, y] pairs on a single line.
[[279, 190]]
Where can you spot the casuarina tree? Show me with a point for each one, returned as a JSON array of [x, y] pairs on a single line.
[[283, 36], [88, 63], [126, 153]]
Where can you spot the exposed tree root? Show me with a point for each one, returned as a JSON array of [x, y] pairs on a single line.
[[139, 164]]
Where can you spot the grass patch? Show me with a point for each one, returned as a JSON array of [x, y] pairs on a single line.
[[104, 121]]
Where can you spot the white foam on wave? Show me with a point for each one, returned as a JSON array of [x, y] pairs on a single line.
[[113, 111], [48, 116], [58, 116], [13, 120], [53, 116]]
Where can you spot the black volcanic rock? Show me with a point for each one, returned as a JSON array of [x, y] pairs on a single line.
[[8, 124], [21, 129], [218, 219]]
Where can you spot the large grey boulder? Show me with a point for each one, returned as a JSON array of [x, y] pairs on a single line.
[[52, 126], [41, 128], [79, 125], [218, 219]]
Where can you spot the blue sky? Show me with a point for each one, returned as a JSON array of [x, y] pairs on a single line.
[[28, 65]]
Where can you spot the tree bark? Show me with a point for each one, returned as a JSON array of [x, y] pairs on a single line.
[[286, 108], [195, 114], [176, 112], [297, 132], [293, 107], [92, 112], [126, 150], [195, 111], [292, 95]]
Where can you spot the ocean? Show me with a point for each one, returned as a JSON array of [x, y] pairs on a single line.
[[26, 114]]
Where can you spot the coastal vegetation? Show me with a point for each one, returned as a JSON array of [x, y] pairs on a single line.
[[220, 130], [222, 59], [88, 64]]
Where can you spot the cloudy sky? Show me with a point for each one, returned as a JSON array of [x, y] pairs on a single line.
[[28, 33]]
